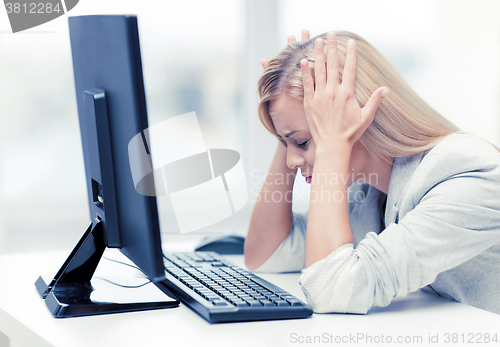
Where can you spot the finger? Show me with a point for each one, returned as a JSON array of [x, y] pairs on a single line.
[[290, 38], [349, 74], [307, 80], [263, 62], [332, 62], [368, 112], [305, 35], [319, 65]]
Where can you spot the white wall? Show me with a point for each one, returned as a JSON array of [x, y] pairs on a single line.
[[463, 77], [190, 44], [448, 50]]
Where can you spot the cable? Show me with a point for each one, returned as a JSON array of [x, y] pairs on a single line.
[[123, 285], [123, 263]]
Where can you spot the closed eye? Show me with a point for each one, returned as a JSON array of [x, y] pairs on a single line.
[[302, 145]]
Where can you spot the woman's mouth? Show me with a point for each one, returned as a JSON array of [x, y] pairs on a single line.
[[308, 178]]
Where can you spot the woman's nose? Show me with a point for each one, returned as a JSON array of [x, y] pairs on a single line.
[[293, 159]]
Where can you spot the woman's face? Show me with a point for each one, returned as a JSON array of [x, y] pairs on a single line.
[[290, 122]]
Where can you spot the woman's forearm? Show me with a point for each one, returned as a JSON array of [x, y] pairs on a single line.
[[328, 225], [272, 217]]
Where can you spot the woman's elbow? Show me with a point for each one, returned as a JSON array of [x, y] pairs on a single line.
[[250, 262], [325, 295], [321, 304], [251, 257]]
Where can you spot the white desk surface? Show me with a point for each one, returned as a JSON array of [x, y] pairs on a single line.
[[25, 320]]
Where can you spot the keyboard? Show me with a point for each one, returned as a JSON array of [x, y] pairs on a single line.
[[220, 291]]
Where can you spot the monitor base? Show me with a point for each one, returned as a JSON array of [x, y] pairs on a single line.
[[68, 294]]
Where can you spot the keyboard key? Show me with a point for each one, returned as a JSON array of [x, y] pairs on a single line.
[[280, 302], [253, 303], [295, 302], [281, 293], [259, 297], [266, 303], [219, 302], [240, 304]]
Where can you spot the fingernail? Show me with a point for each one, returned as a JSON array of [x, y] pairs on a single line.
[[350, 43], [303, 62], [384, 92], [331, 36], [319, 43]]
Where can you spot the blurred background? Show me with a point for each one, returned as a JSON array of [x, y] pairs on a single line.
[[204, 56]]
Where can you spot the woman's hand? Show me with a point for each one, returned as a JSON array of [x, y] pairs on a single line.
[[305, 36], [332, 112]]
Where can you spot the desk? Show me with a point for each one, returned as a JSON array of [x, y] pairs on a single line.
[[26, 321]]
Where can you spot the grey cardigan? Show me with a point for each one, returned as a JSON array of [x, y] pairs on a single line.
[[440, 230]]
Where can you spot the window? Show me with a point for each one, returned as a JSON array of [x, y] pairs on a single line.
[[191, 61]]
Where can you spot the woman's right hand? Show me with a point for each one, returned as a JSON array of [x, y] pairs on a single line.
[[272, 217], [305, 36]]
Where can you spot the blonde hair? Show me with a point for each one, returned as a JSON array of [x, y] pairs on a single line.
[[404, 124]]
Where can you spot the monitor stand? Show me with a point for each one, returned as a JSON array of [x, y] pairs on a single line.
[[68, 294]]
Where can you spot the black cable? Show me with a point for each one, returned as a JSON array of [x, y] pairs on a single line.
[[123, 263], [123, 285]]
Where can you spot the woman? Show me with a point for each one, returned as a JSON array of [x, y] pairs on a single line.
[[400, 199]]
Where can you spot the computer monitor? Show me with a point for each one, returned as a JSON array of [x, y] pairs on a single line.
[[112, 110]]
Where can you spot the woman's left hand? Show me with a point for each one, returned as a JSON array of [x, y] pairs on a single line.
[[331, 109]]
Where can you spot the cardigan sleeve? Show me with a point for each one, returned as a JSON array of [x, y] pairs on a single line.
[[364, 211], [454, 221]]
